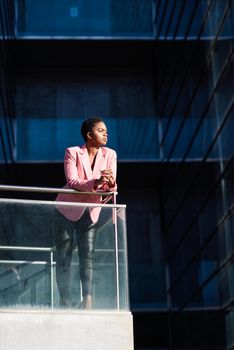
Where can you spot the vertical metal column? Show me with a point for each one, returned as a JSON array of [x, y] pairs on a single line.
[[116, 253], [52, 278]]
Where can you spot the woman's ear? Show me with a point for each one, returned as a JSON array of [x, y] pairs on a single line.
[[89, 135]]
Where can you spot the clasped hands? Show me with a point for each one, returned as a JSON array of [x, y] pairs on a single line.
[[106, 177]]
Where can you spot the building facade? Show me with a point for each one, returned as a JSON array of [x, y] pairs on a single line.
[[161, 74]]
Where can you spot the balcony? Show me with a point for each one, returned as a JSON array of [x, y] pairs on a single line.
[[30, 301], [28, 253]]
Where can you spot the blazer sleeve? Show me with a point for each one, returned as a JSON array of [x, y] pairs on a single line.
[[112, 164], [71, 173]]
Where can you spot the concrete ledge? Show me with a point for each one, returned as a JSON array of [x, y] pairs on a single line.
[[61, 330]]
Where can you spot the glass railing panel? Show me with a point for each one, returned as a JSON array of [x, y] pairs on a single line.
[[32, 253]]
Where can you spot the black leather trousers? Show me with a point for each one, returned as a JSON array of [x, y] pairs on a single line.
[[68, 234]]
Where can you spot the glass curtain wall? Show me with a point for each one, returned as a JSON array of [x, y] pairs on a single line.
[[195, 109], [7, 110], [52, 102], [84, 18]]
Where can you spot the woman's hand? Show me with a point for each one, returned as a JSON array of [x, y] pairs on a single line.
[[109, 177], [105, 178]]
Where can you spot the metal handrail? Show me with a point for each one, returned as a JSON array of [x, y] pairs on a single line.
[[52, 190], [33, 249], [64, 204]]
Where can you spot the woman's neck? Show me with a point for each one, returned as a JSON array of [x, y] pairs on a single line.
[[92, 150]]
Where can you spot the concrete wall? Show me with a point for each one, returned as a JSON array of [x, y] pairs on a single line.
[[60, 330]]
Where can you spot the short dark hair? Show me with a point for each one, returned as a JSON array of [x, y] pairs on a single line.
[[88, 125]]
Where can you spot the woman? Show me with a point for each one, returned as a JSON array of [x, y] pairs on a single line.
[[89, 168]]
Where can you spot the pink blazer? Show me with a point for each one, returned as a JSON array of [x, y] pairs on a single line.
[[81, 177]]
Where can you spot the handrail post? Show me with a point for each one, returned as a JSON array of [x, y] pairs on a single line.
[[52, 279], [116, 253]]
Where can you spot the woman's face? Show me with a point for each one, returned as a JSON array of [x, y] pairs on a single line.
[[98, 136]]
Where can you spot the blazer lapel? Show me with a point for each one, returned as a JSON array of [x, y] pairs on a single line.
[[86, 162], [98, 164]]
